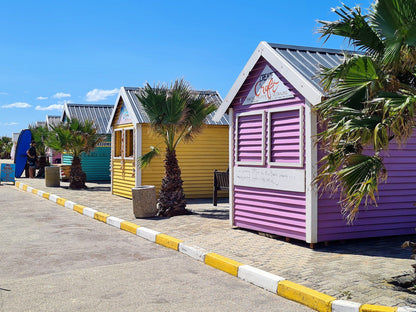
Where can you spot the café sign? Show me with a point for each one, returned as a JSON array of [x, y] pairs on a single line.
[[268, 87]]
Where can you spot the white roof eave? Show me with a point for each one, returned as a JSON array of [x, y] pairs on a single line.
[[122, 94], [305, 87]]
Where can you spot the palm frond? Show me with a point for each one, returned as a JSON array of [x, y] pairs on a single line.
[[145, 159], [353, 26]]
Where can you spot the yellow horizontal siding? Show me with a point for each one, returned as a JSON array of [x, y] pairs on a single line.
[[197, 160], [123, 177]]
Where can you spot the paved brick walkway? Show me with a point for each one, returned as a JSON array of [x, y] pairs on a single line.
[[353, 270]]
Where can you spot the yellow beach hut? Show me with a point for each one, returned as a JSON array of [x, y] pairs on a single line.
[[131, 136]]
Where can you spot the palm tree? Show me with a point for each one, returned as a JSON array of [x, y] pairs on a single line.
[[5, 147], [371, 98], [74, 137], [176, 114], [40, 135]]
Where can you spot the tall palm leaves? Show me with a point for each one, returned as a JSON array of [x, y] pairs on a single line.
[[74, 137], [5, 147], [371, 98], [176, 114]]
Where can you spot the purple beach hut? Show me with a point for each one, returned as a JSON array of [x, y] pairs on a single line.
[[273, 159]]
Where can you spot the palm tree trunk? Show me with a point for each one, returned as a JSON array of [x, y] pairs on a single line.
[[77, 177], [171, 196]]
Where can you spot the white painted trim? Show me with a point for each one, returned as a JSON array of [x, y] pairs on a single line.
[[114, 221], [122, 95], [121, 144], [231, 134], [238, 83], [89, 212], [53, 197], [269, 129], [298, 81], [146, 233], [345, 306], [69, 204], [260, 278], [113, 139], [263, 138], [123, 147], [311, 160], [138, 153], [193, 251]]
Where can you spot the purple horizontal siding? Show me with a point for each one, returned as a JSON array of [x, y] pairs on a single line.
[[270, 211], [277, 212], [250, 135], [395, 213], [284, 132]]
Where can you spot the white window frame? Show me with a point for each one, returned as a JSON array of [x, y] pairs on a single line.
[[124, 142], [263, 138], [121, 144], [301, 126]]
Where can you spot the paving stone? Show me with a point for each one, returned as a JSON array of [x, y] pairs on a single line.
[[354, 270]]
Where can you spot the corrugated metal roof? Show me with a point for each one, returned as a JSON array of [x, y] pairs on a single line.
[[210, 96], [308, 61], [98, 113], [52, 120]]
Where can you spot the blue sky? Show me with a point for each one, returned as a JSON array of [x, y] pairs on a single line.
[[53, 52]]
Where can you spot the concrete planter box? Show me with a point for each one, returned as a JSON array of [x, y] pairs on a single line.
[[144, 201], [52, 176]]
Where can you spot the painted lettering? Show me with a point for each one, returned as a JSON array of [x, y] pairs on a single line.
[[268, 89]]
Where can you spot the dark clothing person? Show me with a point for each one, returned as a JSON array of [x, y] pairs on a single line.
[[32, 156], [31, 153]]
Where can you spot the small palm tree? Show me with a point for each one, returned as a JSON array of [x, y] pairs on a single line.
[[371, 98], [75, 137], [176, 114]]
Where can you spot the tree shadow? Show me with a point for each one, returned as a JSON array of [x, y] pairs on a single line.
[[204, 208], [388, 247]]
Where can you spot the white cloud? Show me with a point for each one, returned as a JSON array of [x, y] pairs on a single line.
[[99, 94], [12, 123], [50, 107], [42, 98], [4, 93], [61, 95], [17, 105]]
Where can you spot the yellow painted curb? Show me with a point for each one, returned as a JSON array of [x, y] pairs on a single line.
[[79, 208], [61, 201], [46, 195], [25, 187], [376, 308], [17, 184], [222, 263], [129, 227], [306, 296], [101, 216], [168, 241], [34, 191]]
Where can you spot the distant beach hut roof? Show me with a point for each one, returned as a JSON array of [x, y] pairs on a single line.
[[138, 115], [98, 113], [52, 120]]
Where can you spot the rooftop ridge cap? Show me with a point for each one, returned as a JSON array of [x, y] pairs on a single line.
[[311, 49]]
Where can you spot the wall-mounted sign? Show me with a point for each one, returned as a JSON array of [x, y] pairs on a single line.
[[270, 178], [124, 117], [268, 87], [7, 173]]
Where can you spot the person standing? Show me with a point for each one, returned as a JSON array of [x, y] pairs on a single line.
[[32, 156]]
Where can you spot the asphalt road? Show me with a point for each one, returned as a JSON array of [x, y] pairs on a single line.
[[54, 259]]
